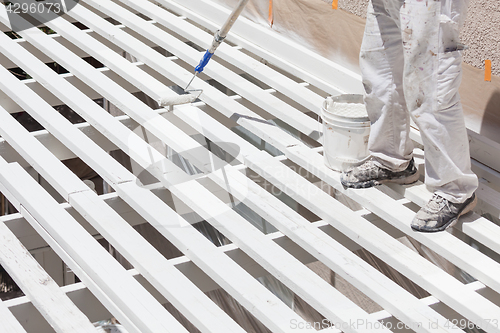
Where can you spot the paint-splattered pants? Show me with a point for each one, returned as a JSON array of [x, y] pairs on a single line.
[[411, 66]]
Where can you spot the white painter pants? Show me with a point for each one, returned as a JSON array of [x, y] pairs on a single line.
[[411, 67]]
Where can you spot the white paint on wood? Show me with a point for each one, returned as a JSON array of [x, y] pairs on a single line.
[[46, 295]]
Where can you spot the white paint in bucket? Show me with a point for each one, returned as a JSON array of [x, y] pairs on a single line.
[[346, 129]]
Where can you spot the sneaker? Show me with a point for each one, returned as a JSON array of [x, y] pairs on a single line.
[[369, 174], [440, 214]]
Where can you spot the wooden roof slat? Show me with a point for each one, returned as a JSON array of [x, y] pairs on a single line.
[[150, 263], [280, 82], [264, 207], [120, 78], [52, 303], [233, 81], [313, 299], [137, 304], [409, 263], [260, 302]]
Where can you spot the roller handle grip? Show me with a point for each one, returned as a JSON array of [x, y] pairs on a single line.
[[204, 61]]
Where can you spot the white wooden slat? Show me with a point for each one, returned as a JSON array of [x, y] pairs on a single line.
[[12, 107], [462, 255], [52, 303], [78, 291], [317, 71], [136, 302], [261, 302], [239, 59], [81, 273], [371, 282], [61, 151], [409, 263], [265, 204], [318, 295], [25, 312], [59, 176], [284, 143], [310, 287], [173, 285], [9, 322], [235, 82], [5, 62], [289, 144], [239, 284]]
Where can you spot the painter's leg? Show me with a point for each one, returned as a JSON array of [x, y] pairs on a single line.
[[432, 76], [381, 63]]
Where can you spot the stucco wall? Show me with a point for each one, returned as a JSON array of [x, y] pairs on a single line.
[[481, 31]]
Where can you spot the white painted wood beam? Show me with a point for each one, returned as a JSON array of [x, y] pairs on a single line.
[[319, 295], [47, 297], [7, 63], [268, 133], [258, 300], [246, 89], [266, 205], [127, 184], [138, 306], [285, 85], [444, 287], [173, 285]]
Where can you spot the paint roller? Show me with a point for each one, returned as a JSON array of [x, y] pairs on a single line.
[[219, 37]]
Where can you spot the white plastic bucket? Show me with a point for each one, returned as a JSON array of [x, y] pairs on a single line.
[[346, 129]]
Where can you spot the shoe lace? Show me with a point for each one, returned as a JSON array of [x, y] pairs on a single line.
[[368, 165], [436, 202]]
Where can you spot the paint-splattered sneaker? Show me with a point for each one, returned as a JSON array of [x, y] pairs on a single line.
[[369, 174], [439, 214]]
